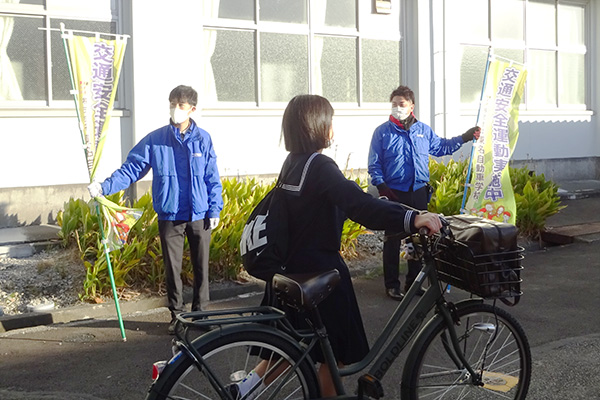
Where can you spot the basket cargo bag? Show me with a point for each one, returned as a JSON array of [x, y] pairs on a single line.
[[485, 258]]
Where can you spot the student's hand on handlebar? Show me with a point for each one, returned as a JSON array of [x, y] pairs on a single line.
[[430, 221]]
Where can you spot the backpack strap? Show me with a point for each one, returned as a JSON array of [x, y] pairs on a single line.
[[297, 188]]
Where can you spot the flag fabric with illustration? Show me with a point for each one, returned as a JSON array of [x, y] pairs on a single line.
[[95, 67], [492, 195]]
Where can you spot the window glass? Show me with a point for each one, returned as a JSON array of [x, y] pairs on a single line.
[[23, 76], [61, 81], [335, 74], [472, 71], [380, 69], [541, 78], [231, 9], [507, 19], [572, 72], [340, 13], [283, 66], [233, 65], [570, 25], [283, 11], [541, 22], [477, 26]]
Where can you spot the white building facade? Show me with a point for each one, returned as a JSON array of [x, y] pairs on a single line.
[[248, 58]]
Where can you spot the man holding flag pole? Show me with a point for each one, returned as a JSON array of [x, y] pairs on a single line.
[[186, 192], [399, 168]]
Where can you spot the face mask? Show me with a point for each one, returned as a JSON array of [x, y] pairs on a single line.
[[400, 113], [178, 115]]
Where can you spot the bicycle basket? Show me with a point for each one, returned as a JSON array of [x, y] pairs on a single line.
[[492, 275]]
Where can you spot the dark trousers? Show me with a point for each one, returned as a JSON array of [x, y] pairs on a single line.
[[391, 244], [172, 238]]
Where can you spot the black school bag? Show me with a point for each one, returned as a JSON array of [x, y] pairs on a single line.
[[264, 245]]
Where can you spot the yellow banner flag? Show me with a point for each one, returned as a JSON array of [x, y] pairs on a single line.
[[492, 195], [96, 65]]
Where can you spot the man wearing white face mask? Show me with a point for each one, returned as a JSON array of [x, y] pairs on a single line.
[[186, 193], [399, 168]]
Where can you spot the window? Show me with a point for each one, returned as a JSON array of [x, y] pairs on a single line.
[[549, 36], [34, 68], [267, 51]]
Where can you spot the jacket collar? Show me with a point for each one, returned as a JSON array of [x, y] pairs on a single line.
[[406, 124], [191, 130]]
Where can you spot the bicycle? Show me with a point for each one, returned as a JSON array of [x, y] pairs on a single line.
[[467, 350]]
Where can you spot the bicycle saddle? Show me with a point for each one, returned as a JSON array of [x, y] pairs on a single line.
[[305, 291]]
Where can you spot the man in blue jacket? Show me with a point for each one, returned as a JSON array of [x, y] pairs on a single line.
[[399, 168], [186, 192]]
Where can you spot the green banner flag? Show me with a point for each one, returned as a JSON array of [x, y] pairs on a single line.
[[491, 193]]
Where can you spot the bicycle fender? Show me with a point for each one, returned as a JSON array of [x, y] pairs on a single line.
[[229, 329], [436, 319]]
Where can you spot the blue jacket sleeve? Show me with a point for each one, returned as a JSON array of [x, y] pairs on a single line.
[[375, 168], [442, 147], [135, 167], [213, 184]]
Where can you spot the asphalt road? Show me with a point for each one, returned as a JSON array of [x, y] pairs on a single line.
[[88, 359]]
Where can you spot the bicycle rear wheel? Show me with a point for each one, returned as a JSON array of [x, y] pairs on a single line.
[[231, 358], [491, 339]]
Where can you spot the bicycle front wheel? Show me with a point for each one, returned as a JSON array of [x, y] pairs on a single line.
[[230, 358], [493, 343]]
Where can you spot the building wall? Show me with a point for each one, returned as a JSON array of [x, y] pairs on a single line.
[[42, 160]]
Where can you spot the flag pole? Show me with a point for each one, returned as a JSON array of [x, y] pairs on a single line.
[[467, 184], [100, 219]]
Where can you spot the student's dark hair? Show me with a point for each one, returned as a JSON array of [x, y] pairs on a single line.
[[306, 124], [184, 94], [405, 92]]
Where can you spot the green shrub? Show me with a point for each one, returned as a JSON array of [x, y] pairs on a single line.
[[139, 263], [536, 200], [448, 182], [136, 264]]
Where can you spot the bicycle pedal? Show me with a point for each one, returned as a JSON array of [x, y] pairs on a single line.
[[369, 386]]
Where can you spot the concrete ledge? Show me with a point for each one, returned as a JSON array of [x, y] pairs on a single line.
[[220, 291], [579, 189], [26, 249]]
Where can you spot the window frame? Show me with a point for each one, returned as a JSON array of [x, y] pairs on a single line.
[[526, 47], [54, 10], [309, 29]]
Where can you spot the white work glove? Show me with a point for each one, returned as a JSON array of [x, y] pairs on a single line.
[[213, 222], [95, 189]]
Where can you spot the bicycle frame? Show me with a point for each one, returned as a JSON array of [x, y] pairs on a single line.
[[397, 336], [384, 358], [400, 335]]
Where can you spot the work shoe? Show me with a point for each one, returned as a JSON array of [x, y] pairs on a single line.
[[394, 293], [234, 391], [172, 324]]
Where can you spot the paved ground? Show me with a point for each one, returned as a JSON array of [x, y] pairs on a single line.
[[88, 360], [582, 211]]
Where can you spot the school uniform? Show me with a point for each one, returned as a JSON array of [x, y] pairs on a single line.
[[316, 213]]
